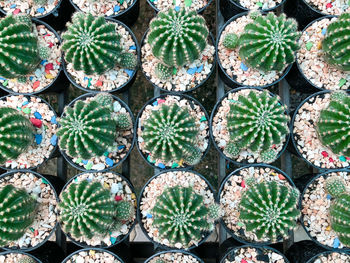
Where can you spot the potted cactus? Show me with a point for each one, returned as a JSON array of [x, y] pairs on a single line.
[[31, 60], [18, 257], [174, 256], [100, 54], [177, 67], [92, 255], [321, 130], [250, 126], [96, 132], [172, 131], [256, 50]]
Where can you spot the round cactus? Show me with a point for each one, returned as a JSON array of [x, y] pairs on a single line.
[[335, 186], [105, 100], [124, 121], [215, 211], [340, 217], [87, 130], [336, 45], [26, 259], [269, 42], [163, 72], [125, 210], [92, 45], [230, 41], [192, 156], [86, 209], [178, 38], [17, 213], [16, 134]]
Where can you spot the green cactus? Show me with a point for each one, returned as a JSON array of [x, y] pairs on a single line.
[[124, 121], [230, 41], [87, 130], [269, 42], [340, 217], [163, 72], [178, 38], [16, 134], [159, 261], [125, 211], [335, 186], [268, 156], [26, 259], [334, 126], [215, 211], [257, 121], [338, 95], [40, 2], [169, 132], [192, 155], [19, 52], [86, 209], [269, 209], [336, 44], [92, 45], [105, 99], [180, 216], [17, 213], [44, 52]]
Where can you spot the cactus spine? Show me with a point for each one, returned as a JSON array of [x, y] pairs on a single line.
[[125, 211], [335, 186], [340, 217]]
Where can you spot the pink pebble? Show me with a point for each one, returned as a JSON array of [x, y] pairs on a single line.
[[160, 101], [16, 11], [324, 154], [36, 122]]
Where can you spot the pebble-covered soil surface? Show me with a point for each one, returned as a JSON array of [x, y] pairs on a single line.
[[258, 4], [163, 5], [15, 258], [330, 7], [253, 255], [93, 256], [174, 257], [332, 258], [28, 7], [103, 8]]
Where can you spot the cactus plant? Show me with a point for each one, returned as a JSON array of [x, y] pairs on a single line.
[[87, 130], [269, 42], [340, 216], [269, 209], [86, 209], [124, 121], [26, 259], [125, 210], [336, 45], [163, 72], [257, 121], [17, 213], [334, 125], [230, 41], [40, 2], [105, 99], [335, 186], [180, 216], [177, 38], [159, 261], [92, 45], [16, 134], [169, 133], [215, 211]]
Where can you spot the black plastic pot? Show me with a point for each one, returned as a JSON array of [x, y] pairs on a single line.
[[192, 101], [18, 252], [120, 238], [312, 260], [81, 168], [199, 11], [59, 83], [302, 251], [47, 180], [174, 251], [241, 239], [210, 38], [128, 16], [139, 214], [123, 87], [55, 147], [214, 112], [96, 249]]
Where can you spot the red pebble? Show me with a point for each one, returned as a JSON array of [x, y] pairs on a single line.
[[36, 122], [160, 101], [331, 160], [16, 11], [36, 84], [50, 45], [118, 198], [281, 177], [49, 66], [324, 154], [98, 83], [347, 158], [243, 184], [36, 232], [329, 5], [273, 146], [243, 261]]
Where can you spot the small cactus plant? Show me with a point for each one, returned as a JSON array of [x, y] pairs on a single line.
[[40, 2], [105, 100], [336, 44], [269, 209], [26, 259], [163, 72], [340, 217], [215, 211], [124, 121], [16, 134], [17, 213], [335, 186], [230, 41], [125, 211], [334, 125], [92, 45]]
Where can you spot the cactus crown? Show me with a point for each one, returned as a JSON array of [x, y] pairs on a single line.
[[17, 213], [16, 134], [26, 259], [334, 125], [335, 186], [269, 209], [180, 216], [178, 38], [125, 210], [92, 45], [340, 217], [336, 45], [256, 121], [170, 133]]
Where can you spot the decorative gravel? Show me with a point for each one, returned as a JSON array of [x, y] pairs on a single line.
[[184, 78], [306, 135], [315, 208], [28, 7], [93, 256], [112, 79], [46, 217], [45, 124], [156, 187], [258, 4], [120, 190], [330, 7], [234, 66], [194, 110], [221, 133], [47, 70], [312, 62], [251, 254], [230, 197], [14, 258], [175, 257], [164, 5], [332, 258], [104, 7]]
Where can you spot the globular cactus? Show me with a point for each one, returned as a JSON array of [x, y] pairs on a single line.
[[87, 130], [178, 38], [192, 155], [163, 72], [92, 45], [180, 216], [17, 213], [169, 133], [124, 121], [86, 210], [336, 44], [125, 210], [335, 186], [230, 41], [19, 52], [256, 122], [269, 209], [40, 2], [160, 261], [334, 126], [215, 211], [16, 134], [269, 42], [105, 100], [340, 217], [26, 259]]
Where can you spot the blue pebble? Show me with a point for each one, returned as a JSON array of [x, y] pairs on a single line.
[[113, 240], [41, 10], [329, 196], [86, 78], [43, 62], [13, 6], [191, 71], [89, 180], [121, 147], [109, 162], [199, 69], [129, 72], [53, 140], [177, 8], [132, 48], [149, 216], [37, 115], [336, 243], [324, 31], [38, 138], [53, 120], [1, 78], [116, 8], [244, 67], [155, 103], [31, 78], [85, 162], [161, 166], [25, 103]]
